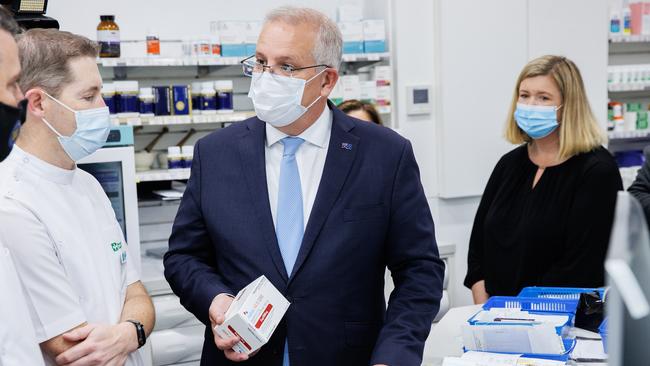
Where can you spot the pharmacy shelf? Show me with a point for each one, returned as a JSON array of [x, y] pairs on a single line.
[[162, 175], [618, 135], [616, 93], [628, 140], [183, 120], [632, 38], [213, 61]]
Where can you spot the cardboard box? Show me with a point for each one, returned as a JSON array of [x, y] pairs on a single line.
[[352, 33], [253, 315]]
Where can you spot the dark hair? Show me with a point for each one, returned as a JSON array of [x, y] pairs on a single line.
[[357, 105], [7, 22]]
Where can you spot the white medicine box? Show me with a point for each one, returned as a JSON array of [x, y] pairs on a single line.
[[232, 32], [254, 315]]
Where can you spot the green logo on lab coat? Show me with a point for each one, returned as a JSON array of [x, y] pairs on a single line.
[[116, 246]]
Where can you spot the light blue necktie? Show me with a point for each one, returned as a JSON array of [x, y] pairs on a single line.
[[289, 228]]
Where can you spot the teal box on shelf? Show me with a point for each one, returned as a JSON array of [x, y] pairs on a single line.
[[374, 46], [120, 136], [234, 50], [250, 49], [353, 47]]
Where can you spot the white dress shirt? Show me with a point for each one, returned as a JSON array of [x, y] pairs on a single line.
[[67, 246], [310, 158]]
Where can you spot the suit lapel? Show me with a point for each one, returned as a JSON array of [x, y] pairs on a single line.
[[254, 166], [343, 147]]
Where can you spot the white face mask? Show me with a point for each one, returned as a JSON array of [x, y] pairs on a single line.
[[278, 99], [93, 127]]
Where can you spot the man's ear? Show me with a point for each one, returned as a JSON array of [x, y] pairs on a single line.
[[330, 78], [35, 99]]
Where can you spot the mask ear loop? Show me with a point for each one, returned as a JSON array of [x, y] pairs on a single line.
[[61, 104], [312, 78]]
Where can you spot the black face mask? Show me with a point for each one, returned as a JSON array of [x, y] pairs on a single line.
[[11, 118]]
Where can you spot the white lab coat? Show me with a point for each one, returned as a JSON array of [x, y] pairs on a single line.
[[67, 246], [18, 344]]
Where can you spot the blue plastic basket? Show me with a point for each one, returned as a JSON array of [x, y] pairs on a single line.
[[534, 306], [603, 333], [569, 345], [560, 293]]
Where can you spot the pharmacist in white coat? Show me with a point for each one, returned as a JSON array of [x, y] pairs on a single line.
[[85, 299], [18, 345]]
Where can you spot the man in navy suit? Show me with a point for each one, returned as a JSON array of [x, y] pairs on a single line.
[[318, 202]]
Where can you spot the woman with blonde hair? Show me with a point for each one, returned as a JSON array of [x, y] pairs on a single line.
[[547, 210]]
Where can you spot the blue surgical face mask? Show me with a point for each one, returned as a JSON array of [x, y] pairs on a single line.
[[537, 121], [93, 126]]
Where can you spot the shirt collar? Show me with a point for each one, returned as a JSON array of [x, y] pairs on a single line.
[[316, 134], [43, 169]]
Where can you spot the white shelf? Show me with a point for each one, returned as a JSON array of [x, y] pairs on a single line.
[[162, 175], [362, 57], [182, 120], [212, 61], [633, 38], [616, 135]]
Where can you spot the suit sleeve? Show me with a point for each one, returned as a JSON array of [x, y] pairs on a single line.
[[190, 265], [412, 257], [590, 223], [640, 189]]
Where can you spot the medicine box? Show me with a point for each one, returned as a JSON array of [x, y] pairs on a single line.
[[374, 35], [351, 86], [382, 75], [233, 38], [253, 315], [349, 13], [352, 33], [368, 91], [252, 33]]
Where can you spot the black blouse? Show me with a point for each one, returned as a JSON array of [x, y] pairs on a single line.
[[555, 234]]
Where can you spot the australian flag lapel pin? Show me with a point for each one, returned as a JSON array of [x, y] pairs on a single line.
[[346, 146]]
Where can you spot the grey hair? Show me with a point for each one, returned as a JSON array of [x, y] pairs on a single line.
[[328, 47]]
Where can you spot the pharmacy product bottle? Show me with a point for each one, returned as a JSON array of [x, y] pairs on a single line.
[[108, 37], [153, 44], [615, 23], [627, 27]]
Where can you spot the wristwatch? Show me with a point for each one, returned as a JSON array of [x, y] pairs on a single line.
[[142, 336]]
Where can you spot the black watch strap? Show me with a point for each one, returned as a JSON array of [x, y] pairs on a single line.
[[142, 336]]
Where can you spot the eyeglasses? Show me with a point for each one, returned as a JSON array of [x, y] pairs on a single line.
[[251, 65]]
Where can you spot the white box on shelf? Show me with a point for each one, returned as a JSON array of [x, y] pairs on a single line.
[[232, 32], [368, 91], [383, 75], [374, 35], [349, 13], [252, 33], [352, 33], [351, 87], [253, 315]]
